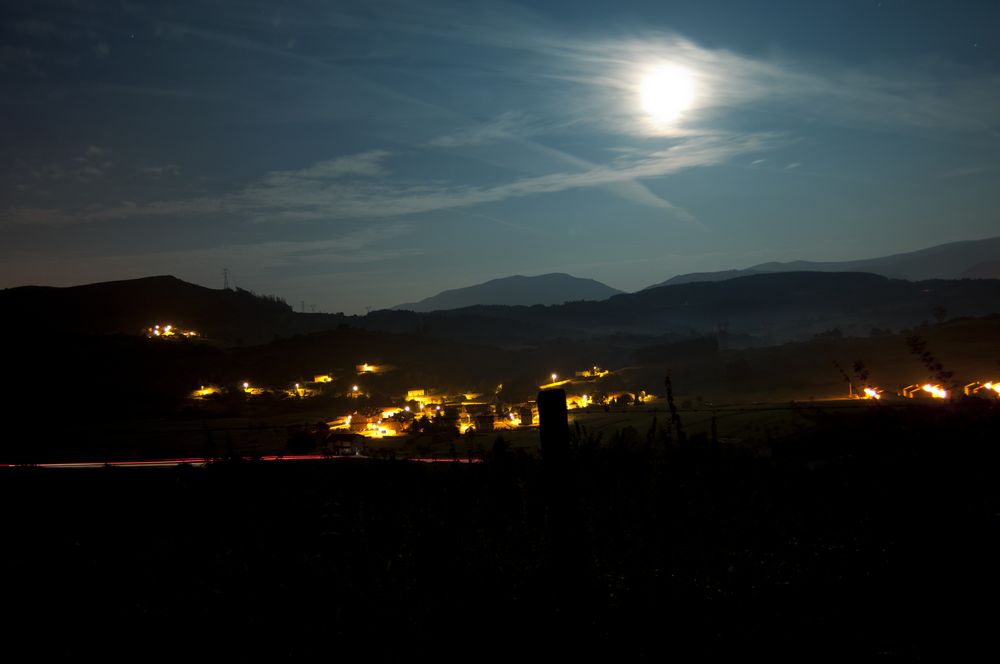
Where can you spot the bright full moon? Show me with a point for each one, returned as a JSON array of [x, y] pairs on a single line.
[[666, 92]]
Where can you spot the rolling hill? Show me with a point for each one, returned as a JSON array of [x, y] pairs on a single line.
[[758, 309], [974, 259], [554, 288]]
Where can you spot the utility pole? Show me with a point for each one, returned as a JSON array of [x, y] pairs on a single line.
[[225, 278]]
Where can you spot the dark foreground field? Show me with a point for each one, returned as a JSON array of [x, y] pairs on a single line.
[[870, 536]]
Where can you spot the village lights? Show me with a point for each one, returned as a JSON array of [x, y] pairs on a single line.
[[935, 391]]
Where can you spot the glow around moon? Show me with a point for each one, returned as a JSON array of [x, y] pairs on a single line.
[[666, 92]]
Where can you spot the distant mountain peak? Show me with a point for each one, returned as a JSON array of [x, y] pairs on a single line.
[[552, 288], [954, 260]]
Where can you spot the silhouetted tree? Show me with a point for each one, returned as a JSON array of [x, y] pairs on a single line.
[[675, 418], [861, 372], [918, 347]]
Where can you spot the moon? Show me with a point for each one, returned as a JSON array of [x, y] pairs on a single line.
[[666, 92]]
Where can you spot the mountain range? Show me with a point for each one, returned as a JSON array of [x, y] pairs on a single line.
[[554, 288], [769, 306], [973, 259]]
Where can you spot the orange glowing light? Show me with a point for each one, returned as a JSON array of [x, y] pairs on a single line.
[[936, 391]]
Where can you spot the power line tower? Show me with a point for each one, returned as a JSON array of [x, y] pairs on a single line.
[[225, 278]]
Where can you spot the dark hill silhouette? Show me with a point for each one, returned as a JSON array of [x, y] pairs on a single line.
[[128, 307], [554, 288], [977, 259], [775, 307], [771, 307], [985, 270]]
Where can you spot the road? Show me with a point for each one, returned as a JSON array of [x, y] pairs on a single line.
[[200, 461]]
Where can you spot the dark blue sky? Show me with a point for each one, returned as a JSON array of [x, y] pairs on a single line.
[[365, 154]]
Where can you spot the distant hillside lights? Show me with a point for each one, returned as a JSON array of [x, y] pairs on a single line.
[[872, 393], [251, 389], [168, 331], [933, 391], [983, 388]]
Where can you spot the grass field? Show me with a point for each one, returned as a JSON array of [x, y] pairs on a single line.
[[869, 535]]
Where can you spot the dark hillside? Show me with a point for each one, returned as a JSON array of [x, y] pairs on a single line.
[[228, 316]]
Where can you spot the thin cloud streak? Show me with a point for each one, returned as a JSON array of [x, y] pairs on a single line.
[[356, 188], [254, 262]]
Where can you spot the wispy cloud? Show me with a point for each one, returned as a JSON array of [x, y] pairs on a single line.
[[357, 187], [597, 77], [607, 70], [506, 126], [255, 263], [364, 164]]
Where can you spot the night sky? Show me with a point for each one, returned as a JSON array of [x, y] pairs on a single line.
[[357, 155]]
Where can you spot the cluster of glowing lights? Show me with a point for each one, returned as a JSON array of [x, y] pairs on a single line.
[[392, 411], [167, 331], [987, 387], [379, 430], [872, 393], [936, 391]]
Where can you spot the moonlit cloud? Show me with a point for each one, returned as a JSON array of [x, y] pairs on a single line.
[[235, 130], [319, 192], [607, 72], [506, 126]]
